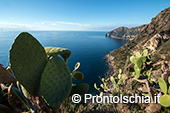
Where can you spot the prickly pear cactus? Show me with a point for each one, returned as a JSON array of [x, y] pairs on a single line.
[[162, 85], [27, 59], [56, 81], [165, 99]]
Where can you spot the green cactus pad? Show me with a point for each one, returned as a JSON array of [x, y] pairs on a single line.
[[103, 80], [21, 97], [23, 90], [95, 86], [143, 58], [169, 90], [119, 76], [112, 80], [162, 85], [27, 59], [149, 62], [65, 53], [169, 79], [145, 52], [133, 59], [120, 71], [77, 66], [80, 89], [165, 100], [138, 54], [137, 71], [56, 81], [102, 86], [140, 61], [78, 75]]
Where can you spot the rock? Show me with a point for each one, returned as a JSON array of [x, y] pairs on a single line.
[[154, 42], [154, 36], [124, 32]]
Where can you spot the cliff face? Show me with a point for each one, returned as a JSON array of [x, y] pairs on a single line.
[[155, 37], [124, 32]]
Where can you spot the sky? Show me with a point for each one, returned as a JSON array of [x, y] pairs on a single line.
[[77, 15]]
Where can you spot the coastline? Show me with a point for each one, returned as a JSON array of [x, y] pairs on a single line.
[[109, 61], [115, 37]]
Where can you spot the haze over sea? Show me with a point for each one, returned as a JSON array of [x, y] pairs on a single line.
[[88, 48]]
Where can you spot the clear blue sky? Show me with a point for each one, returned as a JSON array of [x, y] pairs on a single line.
[[89, 15]]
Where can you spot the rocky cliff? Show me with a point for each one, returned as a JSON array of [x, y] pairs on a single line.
[[154, 37], [124, 32]]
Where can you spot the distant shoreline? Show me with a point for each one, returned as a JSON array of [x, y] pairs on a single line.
[[115, 37], [108, 59]]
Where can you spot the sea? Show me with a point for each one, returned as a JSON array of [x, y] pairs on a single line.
[[88, 48]]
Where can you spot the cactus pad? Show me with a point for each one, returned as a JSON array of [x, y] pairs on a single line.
[[133, 59], [140, 61], [65, 53], [138, 54], [165, 100], [27, 59], [95, 86], [77, 66], [21, 97], [56, 81], [137, 71], [102, 86], [162, 85], [80, 89], [78, 75], [145, 52]]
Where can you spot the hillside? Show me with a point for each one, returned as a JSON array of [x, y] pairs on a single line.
[[154, 37], [124, 32]]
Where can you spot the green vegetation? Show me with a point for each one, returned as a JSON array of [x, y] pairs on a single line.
[[139, 62], [165, 99], [146, 75], [38, 79], [42, 79], [137, 78]]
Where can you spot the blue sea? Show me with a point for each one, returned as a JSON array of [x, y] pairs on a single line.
[[88, 48]]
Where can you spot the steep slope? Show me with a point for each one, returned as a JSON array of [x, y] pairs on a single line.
[[141, 75], [124, 32], [154, 36]]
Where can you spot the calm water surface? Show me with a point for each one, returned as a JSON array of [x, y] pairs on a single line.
[[88, 48]]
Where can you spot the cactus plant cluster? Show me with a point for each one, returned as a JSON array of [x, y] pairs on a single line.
[[121, 78], [146, 70], [139, 60], [145, 83], [165, 99], [42, 72], [105, 86]]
